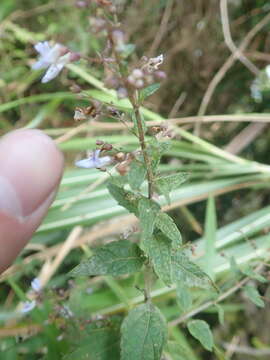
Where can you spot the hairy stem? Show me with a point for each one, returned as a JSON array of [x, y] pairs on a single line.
[[147, 160]]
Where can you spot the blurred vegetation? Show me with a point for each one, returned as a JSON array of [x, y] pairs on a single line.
[[189, 34]]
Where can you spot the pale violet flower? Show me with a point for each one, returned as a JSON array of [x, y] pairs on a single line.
[[36, 285], [94, 161], [28, 306], [52, 57]]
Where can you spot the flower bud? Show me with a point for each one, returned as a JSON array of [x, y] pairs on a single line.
[[137, 73], [107, 147], [76, 89], [122, 93], [160, 75]]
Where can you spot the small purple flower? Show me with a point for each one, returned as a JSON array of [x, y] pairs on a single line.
[[52, 57], [94, 161], [36, 285], [28, 306]]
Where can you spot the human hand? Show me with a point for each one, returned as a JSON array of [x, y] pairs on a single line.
[[31, 168]]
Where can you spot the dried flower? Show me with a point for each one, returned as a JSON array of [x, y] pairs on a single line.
[[120, 156], [94, 161], [154, 63], [79, 115]]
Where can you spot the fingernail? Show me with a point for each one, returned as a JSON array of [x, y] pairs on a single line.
[[30, 170]]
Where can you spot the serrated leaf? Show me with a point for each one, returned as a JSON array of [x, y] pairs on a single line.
[[201, 331], [158, 248], [116, 258], [98, 344], [248, 271], [188, 272], [167, 226], [183, 297], [125, 198], [168, 183], [144, 334], [136, 174], [148, 210], [148, 91], [156, 149], [253, 295]]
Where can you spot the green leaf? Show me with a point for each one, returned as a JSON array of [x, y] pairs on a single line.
[[136, 174], [99, 344], [210, 236], [148, 210], [149, 90], [200, 330], [235, 268], [220, 313], [158, 248], [167, 226], [176, 351], [116, 258], [253, 295], [188, 272], [156, 149], [125, 198], [168, 183], [248, 271], [144, 334], [183, 297]]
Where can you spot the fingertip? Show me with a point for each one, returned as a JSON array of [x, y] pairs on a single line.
[[32, 165]]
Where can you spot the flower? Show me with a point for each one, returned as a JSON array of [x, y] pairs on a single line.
[[28, 306], [94, 161], [36, 285], [52, 57]]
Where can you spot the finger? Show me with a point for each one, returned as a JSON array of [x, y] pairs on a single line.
[[31, 167]]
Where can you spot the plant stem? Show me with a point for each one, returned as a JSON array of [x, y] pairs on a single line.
[[147, 160], [148, 276]]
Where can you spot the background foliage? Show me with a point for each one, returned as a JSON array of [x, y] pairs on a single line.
[[229, 228]]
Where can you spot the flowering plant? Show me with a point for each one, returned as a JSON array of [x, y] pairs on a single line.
[[135, 183]]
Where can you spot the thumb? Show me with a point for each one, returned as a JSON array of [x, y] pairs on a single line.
[[31, 167]]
